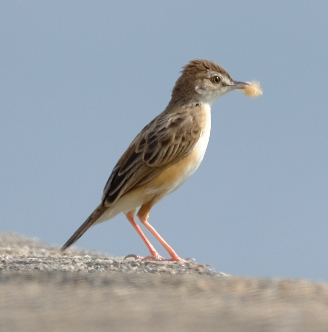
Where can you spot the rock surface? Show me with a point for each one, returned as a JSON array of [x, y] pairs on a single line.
[[42, 290]]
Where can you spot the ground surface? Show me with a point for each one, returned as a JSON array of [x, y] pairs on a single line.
[[41, 290]]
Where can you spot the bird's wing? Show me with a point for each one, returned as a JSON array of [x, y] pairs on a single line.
[[163, 142]]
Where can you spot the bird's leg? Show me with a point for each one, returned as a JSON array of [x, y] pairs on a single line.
[[143, 215], [154, 254]]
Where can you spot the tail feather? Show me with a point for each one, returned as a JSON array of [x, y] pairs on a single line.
[[85, 226]]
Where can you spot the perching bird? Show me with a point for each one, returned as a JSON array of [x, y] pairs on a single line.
[[165, 153]]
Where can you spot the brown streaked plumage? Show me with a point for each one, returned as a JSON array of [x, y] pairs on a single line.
[[167, 139], [165, 153]]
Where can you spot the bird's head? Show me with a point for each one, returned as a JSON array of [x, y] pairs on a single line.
[[203, 81]]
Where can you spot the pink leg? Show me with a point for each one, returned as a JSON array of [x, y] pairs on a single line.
[[154, 254], [172, 253]]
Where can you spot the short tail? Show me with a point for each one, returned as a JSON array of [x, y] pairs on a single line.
[[85, 226]]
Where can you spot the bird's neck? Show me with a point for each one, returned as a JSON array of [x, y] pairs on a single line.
[[186, 102]]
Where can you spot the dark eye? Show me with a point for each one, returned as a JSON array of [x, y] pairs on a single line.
[[216, 79]]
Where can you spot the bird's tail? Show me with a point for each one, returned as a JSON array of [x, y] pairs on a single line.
[[85, 226]]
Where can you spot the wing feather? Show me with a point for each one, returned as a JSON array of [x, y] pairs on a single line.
[[163, 142]]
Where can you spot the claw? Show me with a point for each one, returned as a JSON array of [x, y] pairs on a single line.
[[156, 258], [136, 257], [191, 260]]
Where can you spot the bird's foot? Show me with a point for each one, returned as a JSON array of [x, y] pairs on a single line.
[[159, 258], [148, 258], [156, 258]]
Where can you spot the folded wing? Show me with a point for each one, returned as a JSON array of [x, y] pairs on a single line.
[[163, 142]]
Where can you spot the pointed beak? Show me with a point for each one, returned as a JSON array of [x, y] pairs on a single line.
[[238, 85]]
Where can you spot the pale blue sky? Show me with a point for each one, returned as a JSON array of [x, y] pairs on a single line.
[[79, 79]]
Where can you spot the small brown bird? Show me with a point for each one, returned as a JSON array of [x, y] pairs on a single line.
[[164, 154]]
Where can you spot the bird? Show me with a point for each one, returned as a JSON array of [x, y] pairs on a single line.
[[164, 154]]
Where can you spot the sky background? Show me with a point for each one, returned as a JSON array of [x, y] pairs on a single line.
[[80, 79]]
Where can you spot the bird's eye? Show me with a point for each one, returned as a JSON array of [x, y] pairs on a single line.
[[216, 79]]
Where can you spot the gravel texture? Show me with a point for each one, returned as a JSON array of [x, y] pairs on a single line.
[[27, 254], [42, 290], [91, 264]]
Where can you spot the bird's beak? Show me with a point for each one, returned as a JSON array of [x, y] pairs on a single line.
[[238, 85]]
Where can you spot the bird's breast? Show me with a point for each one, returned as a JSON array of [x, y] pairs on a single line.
[[202, 143]]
